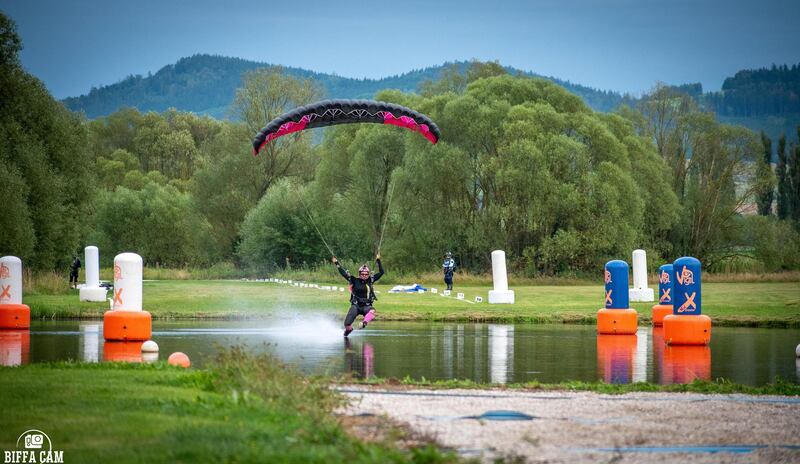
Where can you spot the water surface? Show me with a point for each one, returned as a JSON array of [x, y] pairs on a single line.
[[498, 353]]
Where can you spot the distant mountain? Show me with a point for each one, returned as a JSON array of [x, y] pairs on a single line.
[[206, 84], [762, 99]]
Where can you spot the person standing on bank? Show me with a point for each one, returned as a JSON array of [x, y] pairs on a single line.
[[449, 267], [73, 272], [362, 295]]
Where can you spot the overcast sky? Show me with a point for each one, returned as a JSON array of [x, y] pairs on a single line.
[[622, 45]]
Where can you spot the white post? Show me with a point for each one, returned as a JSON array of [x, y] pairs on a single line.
[[10, 280], [128, 282], [501, 294], [92, 291], [640, 291]]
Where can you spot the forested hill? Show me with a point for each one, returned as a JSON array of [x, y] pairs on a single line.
[[206, 84]]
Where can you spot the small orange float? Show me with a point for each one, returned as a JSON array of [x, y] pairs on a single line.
[[179, 359]]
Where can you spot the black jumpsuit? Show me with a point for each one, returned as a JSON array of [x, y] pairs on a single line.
[[361, 293]]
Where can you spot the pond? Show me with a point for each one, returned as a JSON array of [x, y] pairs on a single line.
[[497, 353]]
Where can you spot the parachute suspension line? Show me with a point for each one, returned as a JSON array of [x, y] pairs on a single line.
[[314, 223], [386, 217]]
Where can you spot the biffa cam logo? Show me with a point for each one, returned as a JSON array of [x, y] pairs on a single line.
[[33, 446]]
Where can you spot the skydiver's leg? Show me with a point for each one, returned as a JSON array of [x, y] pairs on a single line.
[[369, 316], [349, 319]]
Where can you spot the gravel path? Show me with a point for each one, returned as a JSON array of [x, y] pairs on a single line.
[[591, 427]]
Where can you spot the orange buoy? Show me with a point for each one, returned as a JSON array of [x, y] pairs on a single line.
[[617, 321], [126, 321], [684, 364], [660, 311], [127, 325], [687, 330], [179, 359], [122, 351], [15, 316], [664, 306], [616, 317]]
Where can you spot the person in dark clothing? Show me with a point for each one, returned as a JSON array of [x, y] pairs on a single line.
[[362, 295], [73, 272], [449, 267]]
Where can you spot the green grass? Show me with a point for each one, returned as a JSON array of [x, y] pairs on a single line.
[[719, 386], [742, 304], [244, 409]]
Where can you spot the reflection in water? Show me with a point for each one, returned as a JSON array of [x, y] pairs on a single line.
[[684, 364], [615, 354], [436, 351], [359, 359], [122, 351], [14, 347], [642, 355], [90, 342], [501, 352]]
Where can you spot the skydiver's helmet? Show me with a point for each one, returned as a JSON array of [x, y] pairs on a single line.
[[363, 272], [448, 255]]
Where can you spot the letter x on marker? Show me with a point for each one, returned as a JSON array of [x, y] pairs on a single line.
[[118, 296], [665, 296], [608, 296], [6, 293], [689, 303]]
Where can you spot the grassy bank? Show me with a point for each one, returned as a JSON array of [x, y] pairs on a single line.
[[243, 409], [738, 304], [720, 386]]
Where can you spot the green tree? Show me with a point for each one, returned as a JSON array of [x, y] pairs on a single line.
[[47, 180], [765, 175], [784, 181]]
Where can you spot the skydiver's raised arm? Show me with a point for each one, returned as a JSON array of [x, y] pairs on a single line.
[[344, 272], [380, 269]]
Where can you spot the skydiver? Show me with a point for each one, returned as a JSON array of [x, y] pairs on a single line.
[[449, 267], [73, 272], [362, 294]]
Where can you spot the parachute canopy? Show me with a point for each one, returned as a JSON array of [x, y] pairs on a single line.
[[332, 112]]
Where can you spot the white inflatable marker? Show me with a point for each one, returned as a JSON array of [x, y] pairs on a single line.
[[640, 291], [460, 296], [478, 299], [92, 291], [10, 280], [446, 293], [434, 291], [501, 294], [128, 282]]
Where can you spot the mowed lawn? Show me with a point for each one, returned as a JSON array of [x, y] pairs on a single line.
[[726, 303]]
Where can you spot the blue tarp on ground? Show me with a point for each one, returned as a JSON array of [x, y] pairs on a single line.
[[413, 288]]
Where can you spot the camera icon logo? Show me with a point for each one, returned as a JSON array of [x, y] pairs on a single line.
[[34, 441]]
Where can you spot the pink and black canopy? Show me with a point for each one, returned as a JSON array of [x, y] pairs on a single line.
[[332, 112]]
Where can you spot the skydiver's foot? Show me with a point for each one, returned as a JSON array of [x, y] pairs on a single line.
[[347, 330]]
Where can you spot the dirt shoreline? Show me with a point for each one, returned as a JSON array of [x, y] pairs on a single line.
[[570, 426]]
